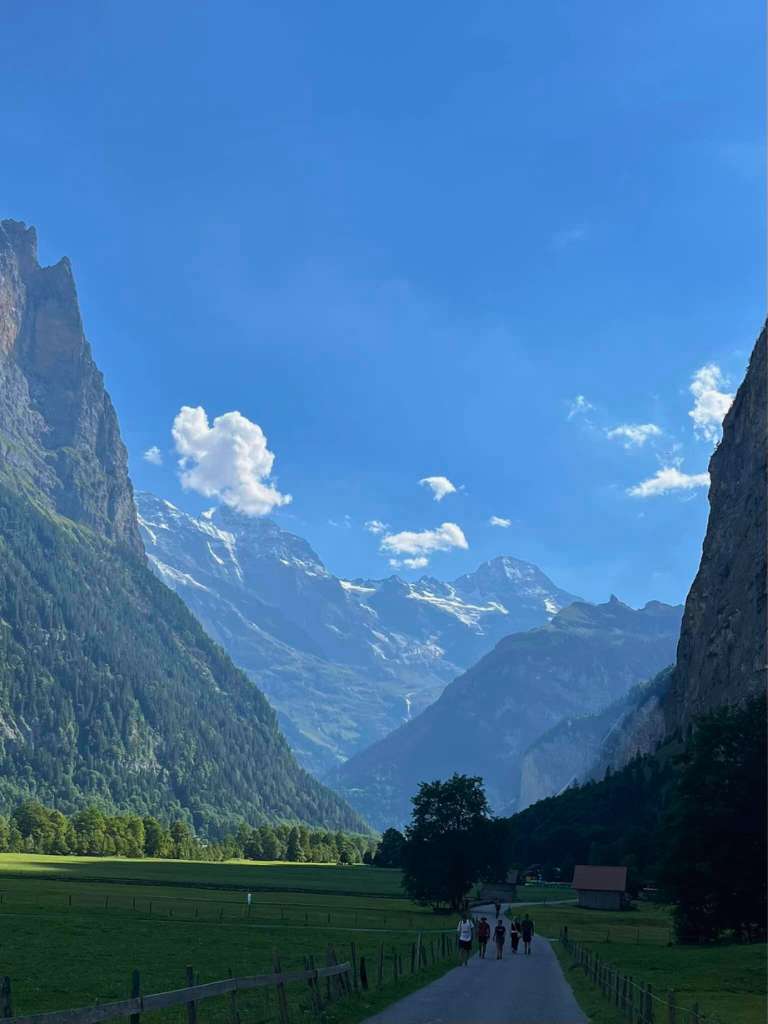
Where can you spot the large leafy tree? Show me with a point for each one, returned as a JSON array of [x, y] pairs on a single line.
[[390, 851], [444, 849], [714, 869]]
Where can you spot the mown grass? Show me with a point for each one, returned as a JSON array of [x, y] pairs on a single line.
[[77, 942], [727, 981], [277, 876]]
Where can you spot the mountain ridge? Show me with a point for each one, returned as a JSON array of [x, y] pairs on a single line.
[[110, 691], [343, 661], [584, 659]]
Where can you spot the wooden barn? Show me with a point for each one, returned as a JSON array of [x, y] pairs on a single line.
[[600, 887]]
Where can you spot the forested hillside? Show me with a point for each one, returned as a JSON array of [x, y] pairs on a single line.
[[109, 688]]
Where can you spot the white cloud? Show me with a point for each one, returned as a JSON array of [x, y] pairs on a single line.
[[439, 485], [227, 460], [345, 522], [416, 563], [579, 406], [153, 455], [666, 479], [710, 403], [375, 526], [419, 545], [634, 435], [500, 521]]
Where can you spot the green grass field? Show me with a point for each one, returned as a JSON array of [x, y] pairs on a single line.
[[75, 942], [727, 981], [277, 876]]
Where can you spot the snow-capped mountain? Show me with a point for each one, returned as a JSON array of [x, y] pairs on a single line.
[[343, 661]]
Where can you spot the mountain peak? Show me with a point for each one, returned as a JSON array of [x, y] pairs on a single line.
[[60, 435]]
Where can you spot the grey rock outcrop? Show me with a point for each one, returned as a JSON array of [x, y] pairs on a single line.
[[721, 657], [59, 434]]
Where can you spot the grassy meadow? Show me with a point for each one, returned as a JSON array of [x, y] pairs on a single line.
[[727, 981], [77, 927]]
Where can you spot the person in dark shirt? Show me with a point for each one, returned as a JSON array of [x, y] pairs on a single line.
[[499, 935], [526, 928]]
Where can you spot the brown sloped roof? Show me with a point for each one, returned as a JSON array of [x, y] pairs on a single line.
[[596, 877]]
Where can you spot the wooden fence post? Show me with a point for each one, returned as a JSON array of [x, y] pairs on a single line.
[[671, 1007], [282, 996], [649, 1004], [6, 1000], [234, 1013], [135, 993], [315, 1002], [413, 958], [191, 1005], [380, 973], [694, 1015], [363, 975], [353, 950]]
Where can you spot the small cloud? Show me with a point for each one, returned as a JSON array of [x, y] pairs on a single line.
[[228, 460], [500, 521], [579, 406], [420, 544], [439, 485], [345, 523], [710, 403], [667, 479], [568, 236], [634, 435], [208, 514], [153, 455], [375, 526]]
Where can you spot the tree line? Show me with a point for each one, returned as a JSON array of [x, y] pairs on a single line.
[[35, 828], [689, 821]]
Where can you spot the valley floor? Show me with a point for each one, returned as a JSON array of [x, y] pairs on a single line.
[[80, 926]]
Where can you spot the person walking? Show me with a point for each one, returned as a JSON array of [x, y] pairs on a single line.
[[526, 927], [514, 934], [497, 908], [464, 931], [483, 934], [499, 935]]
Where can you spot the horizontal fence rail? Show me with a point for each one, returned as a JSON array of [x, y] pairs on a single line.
[[384, 966], [178, 997]]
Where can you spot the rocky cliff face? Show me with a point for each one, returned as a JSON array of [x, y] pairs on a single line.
[[721, 657], [723, 649], [59, 434], [110, 691]]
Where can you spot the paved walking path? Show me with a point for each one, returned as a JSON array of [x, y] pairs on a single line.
[[516, 990]]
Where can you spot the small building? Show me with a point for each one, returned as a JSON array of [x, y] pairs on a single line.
[[600, 887]]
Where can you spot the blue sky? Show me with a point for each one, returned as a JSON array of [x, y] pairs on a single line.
[[402, 239]]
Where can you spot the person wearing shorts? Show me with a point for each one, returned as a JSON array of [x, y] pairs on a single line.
[[464, 932], [499, 935]]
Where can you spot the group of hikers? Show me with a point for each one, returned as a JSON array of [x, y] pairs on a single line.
[[518, 929]]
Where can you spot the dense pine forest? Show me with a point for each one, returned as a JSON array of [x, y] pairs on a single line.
[[111, 691]]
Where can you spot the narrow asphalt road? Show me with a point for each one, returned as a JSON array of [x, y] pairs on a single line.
[[516, 990]]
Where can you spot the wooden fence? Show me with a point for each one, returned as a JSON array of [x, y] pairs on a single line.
[[340, 980], [634, 1000], [215, 909]]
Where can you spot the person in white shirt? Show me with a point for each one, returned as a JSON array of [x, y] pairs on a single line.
[[464, 931]]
